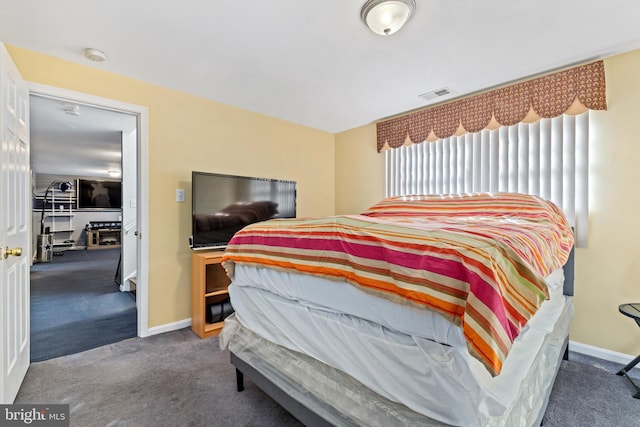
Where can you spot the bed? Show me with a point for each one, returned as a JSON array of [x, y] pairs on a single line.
[[422, 310]]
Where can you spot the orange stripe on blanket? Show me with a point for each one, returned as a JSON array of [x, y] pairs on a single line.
[[448, 308], [482, 350]]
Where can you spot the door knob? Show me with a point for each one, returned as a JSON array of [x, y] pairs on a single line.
[[14, 252]]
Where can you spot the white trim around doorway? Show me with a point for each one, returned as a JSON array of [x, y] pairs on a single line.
[[142, 114]]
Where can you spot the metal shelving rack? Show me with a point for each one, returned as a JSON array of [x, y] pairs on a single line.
[[55, 209], [60, 219]]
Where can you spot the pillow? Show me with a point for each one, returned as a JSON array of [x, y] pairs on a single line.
[[522, 206]]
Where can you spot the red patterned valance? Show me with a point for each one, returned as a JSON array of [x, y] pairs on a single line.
[[546, 97]]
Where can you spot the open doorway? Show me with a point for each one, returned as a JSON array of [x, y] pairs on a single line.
[[84, 276]]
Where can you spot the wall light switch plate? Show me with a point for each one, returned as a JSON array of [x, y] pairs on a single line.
[[180, 195]]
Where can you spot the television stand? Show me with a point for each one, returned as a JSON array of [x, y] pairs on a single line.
[[104, 235]]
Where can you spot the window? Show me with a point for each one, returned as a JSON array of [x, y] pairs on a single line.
[[548, 158]]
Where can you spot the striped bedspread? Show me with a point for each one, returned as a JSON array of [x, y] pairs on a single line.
[[478, 259]]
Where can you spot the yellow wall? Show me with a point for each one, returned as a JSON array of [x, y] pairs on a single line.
[[608, 271], [190, 133], [359, 170]]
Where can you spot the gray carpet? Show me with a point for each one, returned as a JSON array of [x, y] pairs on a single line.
[[174, 379], [76, 304], [177, 379], [588, 395]]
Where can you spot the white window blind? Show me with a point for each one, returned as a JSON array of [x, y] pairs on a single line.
[[549, 158]]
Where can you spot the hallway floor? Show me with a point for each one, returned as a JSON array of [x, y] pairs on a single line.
[[76, 304]]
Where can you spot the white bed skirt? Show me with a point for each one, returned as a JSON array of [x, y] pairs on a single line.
[[442, 382]]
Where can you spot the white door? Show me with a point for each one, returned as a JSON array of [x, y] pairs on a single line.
[[14, 228], [129, 210]]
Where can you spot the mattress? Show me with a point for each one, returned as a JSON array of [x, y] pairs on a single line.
[[406, 354], [329, 393]]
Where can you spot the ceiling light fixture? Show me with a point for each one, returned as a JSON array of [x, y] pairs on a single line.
[[94, 54], [385, 17]]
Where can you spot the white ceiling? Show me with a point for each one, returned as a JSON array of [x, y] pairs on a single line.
[[83, 145], [314, 62]]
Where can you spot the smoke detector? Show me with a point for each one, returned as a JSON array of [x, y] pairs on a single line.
[[72, 110], [94, 54], [438, 93]]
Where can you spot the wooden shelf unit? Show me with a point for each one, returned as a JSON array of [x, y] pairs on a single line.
[[103, 238], [209, 283]]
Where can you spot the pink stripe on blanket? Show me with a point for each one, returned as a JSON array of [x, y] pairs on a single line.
[[455, 269]]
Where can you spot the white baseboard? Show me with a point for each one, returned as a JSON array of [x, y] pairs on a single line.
[[168, 327], [601, 353]]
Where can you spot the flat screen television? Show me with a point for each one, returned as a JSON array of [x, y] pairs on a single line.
[[99, 194], [224, 204]]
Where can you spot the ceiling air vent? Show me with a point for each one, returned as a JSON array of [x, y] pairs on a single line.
[[435, 94]]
